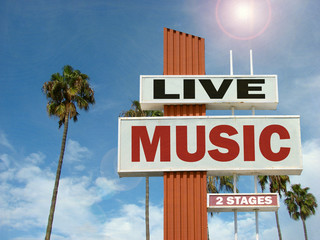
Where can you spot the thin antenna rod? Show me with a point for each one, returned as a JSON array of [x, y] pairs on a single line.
[[231, 73], [231, 63], [235, 211], [251, 63]]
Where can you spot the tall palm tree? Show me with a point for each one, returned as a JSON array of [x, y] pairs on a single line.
[[300, 204], [65, 92], [277, 184], [136, 111]]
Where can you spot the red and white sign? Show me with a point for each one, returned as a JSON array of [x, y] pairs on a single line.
[[243, 202], [249, 145], [215, 91]]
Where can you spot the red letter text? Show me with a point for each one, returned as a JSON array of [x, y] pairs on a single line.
[[161, 134], [182, 144], [265, 143], [217, 140]]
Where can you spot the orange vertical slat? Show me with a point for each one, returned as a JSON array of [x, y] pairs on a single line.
[[183, 53], [197, 204], [189, 55], [195, 49], [176, 55], [184, 203], [177, 207], [185, 196]]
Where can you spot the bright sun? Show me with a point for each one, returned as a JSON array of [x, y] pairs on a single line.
[[243, 19], [243, 12]]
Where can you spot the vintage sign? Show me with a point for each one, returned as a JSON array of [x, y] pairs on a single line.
[[219, 145], [243, 202], [215, 91]]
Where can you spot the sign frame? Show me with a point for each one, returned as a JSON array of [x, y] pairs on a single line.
[[270, 89], [243, 208], [217, 169]]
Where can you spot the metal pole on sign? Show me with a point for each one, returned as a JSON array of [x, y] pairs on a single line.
[[231, 73], [256, 212], [251, 63], [255, 176], [234, 175], [231, 63], [235, 211]]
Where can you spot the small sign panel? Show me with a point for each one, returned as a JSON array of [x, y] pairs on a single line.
[[217, 92], [243, 202], [225, 145]]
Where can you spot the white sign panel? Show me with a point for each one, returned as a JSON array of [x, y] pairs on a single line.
[[216, 92], [225, 145], [243, 202]]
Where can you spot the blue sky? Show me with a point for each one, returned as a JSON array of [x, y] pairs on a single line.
[[114, 42]]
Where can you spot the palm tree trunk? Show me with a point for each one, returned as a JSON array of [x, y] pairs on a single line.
[[56, 184], [278, 225], [305, 229], [147, 210]]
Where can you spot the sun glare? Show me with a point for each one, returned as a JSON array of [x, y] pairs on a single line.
[[243, 19], [243, 12]]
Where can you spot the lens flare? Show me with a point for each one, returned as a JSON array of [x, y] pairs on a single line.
[[243, 12], [243, 19]]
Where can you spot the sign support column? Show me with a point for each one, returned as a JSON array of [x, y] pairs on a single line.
[[185, 193]]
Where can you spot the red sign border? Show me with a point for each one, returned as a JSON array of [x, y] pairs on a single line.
[[224, 208]]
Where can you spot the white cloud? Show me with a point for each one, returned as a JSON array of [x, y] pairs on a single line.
[[109, 185], [25, 197], [75, 152], [108, 169], [311, 165], [35, 158], [302, 97], [80, 168], [220, 228], [130, 223], [76, 156], [5, 142], [4, 161]]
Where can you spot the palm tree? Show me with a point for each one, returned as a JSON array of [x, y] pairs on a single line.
[[64, 92], [300, 204], [136, 111], [216, 184], [277, 184]]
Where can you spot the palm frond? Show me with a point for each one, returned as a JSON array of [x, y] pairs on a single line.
[[300, 203], [69, 89]]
